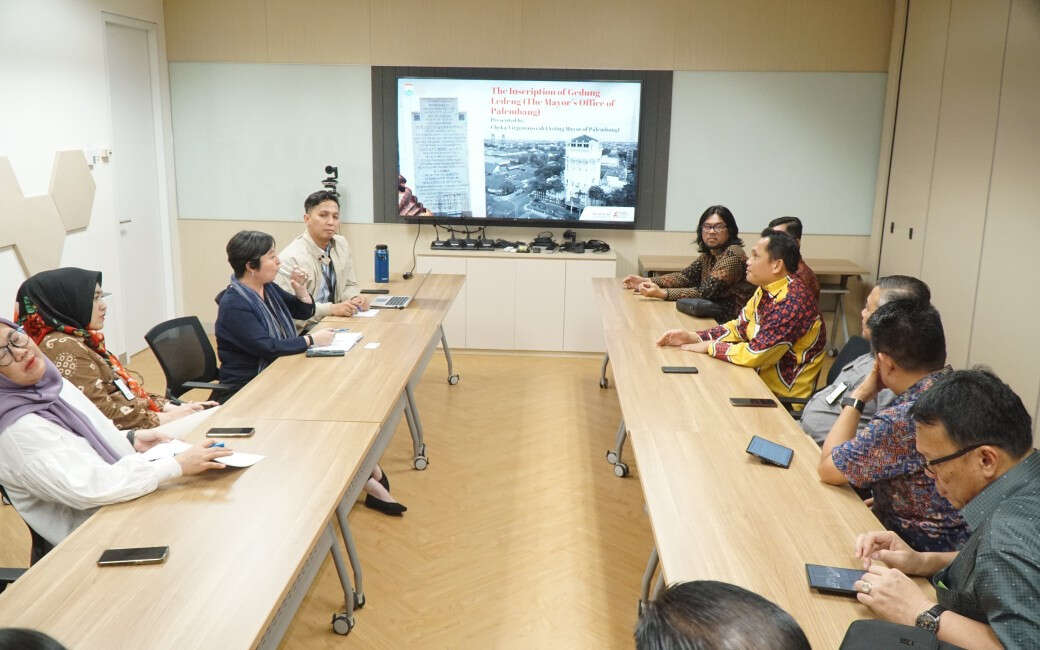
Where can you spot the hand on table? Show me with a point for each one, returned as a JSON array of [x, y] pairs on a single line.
[[886, 546], [633, 281], [678, 337], [359, 301], [323, 337], [145, 439], [650, 290], [344, 309], [891, 595], [197, 459], [701, 347]]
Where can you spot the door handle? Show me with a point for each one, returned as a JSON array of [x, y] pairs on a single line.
[[122, 221]]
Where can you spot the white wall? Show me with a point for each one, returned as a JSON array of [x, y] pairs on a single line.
[[54, 96]]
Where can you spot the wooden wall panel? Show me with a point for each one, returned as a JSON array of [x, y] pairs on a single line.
[[597, 34], [1005, 312], [203, 30], [462, 33], [963, 161], [913, 153], [802, 35], [805, 35], [319, 31]]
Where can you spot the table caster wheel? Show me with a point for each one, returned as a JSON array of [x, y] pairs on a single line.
[[603, 383], [611, 457], [420, 463], [342, 624], [453, 379], [620, 470], [359, 600]]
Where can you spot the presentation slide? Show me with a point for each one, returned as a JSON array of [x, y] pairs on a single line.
[[507, 149]]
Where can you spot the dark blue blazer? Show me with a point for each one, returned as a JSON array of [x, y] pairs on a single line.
[[242, 340]]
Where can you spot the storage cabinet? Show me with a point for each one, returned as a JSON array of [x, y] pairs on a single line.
[[524, 301]]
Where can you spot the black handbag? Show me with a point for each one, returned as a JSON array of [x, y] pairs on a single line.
[[871, 634]]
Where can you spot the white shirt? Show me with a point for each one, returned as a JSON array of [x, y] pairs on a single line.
[[56, 480]]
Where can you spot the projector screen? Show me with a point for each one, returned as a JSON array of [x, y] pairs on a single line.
[[518, 150]]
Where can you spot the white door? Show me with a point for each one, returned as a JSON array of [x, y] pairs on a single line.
[[136, 187]]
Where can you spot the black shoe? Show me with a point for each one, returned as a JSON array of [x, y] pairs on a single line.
[[385, 507], [385, 481]]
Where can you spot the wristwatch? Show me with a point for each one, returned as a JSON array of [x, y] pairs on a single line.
[[857, 404], [929, 620]]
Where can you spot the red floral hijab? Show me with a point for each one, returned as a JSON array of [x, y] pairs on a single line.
[[62, 300]]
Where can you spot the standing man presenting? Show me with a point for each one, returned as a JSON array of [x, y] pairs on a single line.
[[324, 257]]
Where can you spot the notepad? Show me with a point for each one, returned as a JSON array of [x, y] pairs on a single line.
[[174, 447], [344, 340], [371, 313]]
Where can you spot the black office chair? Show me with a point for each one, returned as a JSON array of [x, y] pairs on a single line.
[[40, 547], [855, 347], [186, 357]]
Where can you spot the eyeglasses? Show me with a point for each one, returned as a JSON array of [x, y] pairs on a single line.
[[18, 340], [929, 464], [713, 227]]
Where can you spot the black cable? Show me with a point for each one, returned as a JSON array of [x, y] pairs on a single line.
[[418, 229]]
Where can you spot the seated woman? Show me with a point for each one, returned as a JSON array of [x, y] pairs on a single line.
[[60, 457], [64, 311], [715, 284], [255, 326]]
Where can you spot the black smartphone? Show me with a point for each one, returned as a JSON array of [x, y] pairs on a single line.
[[770, 451], [833, 580], [679, 370], [751, 401], [144, 555], [375, 291], [230, 432], [325, 353]]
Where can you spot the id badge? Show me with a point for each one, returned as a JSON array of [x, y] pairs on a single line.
[[836, 394], [123, 388]]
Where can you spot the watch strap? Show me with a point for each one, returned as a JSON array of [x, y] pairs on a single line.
[[855, 403]]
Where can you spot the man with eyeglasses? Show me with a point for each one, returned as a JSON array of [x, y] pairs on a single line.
[[910, 350], [975, 437]]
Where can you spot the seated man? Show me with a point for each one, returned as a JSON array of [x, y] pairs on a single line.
[[715, 280], [910, 347], [793, 226], [324, 257], [779, 332], [823, 408], [974, 435], [710, 614]]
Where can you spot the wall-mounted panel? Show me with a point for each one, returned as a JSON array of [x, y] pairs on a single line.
[[767, 144], [252, 140], [319, 31], [963, 162], [203, 30]]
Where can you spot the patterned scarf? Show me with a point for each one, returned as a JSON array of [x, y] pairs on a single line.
[[41, 309], [271, 311]]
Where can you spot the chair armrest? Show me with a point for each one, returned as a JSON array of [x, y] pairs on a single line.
[[788, 402], [7, 576], [223, 388]]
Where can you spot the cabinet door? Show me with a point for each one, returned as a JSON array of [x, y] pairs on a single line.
[[539, 304], [582, 325], [490, 303], [455, 321]]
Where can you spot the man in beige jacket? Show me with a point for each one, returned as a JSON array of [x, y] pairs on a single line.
[[324, 256]]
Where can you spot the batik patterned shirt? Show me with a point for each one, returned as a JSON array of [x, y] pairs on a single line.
[[884, 455], [719, 278], [779, 333]]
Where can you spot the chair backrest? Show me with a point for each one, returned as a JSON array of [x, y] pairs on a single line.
[[40, 546], [855, 347], [184, 353]]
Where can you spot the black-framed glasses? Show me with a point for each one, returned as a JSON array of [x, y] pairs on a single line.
[[713, 227], [929, 464], [18, 340]]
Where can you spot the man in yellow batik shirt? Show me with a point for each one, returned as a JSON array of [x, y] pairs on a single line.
[[779, 331]]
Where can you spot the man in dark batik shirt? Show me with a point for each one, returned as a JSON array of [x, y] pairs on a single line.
[[715, 281], [910, 347], [975, 436]]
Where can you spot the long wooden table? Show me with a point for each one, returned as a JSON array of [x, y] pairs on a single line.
[[246, 544], [716, 512]]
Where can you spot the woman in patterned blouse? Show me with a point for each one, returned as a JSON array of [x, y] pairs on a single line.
[[63, 310], [715, 282]]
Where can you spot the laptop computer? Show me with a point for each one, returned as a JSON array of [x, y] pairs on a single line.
[[397, 302]]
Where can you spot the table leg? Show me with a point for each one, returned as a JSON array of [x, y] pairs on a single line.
[[453, 377], [603, 383], [614, 455], [648, 576], [420, 461]]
